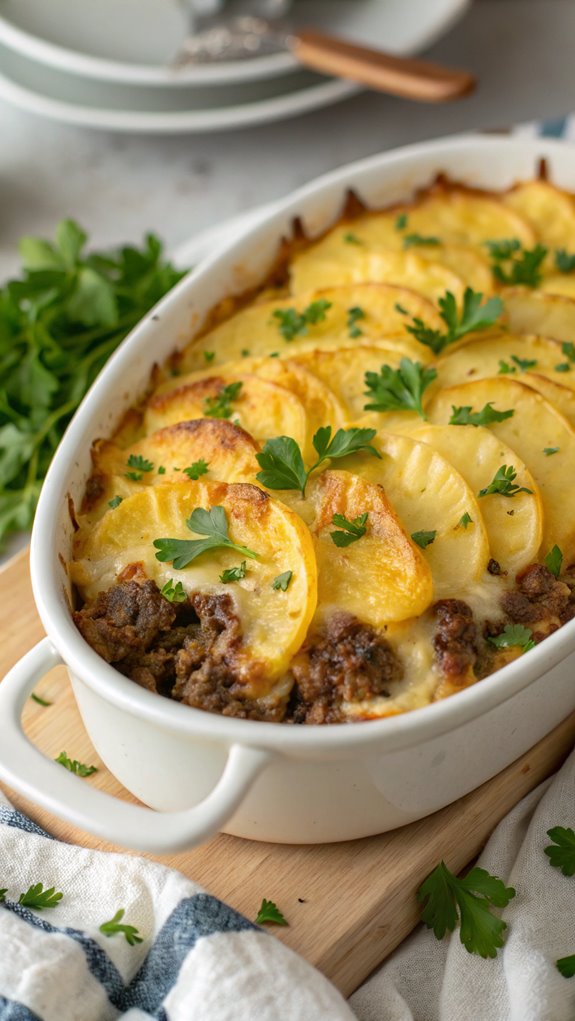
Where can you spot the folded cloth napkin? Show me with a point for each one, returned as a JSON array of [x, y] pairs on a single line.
[[428, 980], [199, 960]]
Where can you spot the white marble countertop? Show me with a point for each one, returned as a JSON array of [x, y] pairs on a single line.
[[120, 186]]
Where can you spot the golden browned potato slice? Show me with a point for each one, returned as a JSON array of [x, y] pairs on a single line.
[[380, 578], [345, 370], [495, 355], [534, 427], [476, 453], [274, 623], [430, 496], [403, 269], [561, 397], [548, 315], [461, 217], [255, 331], [262, 408], [549, 211]]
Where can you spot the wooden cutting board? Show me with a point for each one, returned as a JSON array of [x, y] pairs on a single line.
[[348, 904]]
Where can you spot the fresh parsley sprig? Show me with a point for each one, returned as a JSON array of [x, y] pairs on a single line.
[[211, 523], [514, 265], [115, 925], [270, 913], [514, 636], [503, 483], [523, 364], [474, 315], [220, 406], [59, 324], [448, 899], [466, 416], [349, 531], [73, 766], [39, 898], [283, 465], [292, 323], [561, 852], [196, 469], [398, 389]]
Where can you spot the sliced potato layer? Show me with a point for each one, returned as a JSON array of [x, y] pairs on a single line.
[[534, 427], [549, 211], [380, 578], [274, 623], [548, 315], [504, 355], [345, 370], [477, 453], [430, 496], [403, 269]]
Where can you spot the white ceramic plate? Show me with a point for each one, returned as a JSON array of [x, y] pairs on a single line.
[[135, 40]]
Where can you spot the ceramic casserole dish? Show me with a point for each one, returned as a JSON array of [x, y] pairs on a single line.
[[199, 772]]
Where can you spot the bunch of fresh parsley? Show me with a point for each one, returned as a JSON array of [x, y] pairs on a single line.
[[59, 323]]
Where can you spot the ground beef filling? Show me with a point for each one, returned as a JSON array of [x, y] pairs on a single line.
[[187, 651], [456, 638], [541, 601], [346, 662]]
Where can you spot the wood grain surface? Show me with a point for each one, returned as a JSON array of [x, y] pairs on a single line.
[[348, 904]]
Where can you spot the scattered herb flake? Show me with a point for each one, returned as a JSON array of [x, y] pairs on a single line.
[[209, 356], [401, 309], [115, 502], [465, 520], [234, 573], [245, 352], [351, 530], [401, 221], [566, 965], [161, 470], [487, 415], [211, 523], [551, 450], [562, 855], [40, 701], [292, 323], [139, 463], [554, 560], [563, 367], [424, 539], [398, 389], [353, 316], [503, 483], [412, 240], [3, 892], [129, 932], [73, 766], [514, 636], [196, 469], [568, 349], [221, 405], [564, 262], [39, 898], [174, 593], [270, 913], [352, 239], [282, 581], [449, 899]]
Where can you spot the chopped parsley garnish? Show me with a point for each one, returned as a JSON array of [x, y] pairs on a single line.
[[554, 560], [351, 530], [353, 315], [40, 701], [282, 581], [449, 899], [568, 349], [473, 316], [115, 502], [234, 573], [424, 539], [161, 470], [514, 636], [487, 415], [3, 892], [566, 965], [401, 309], [512, 264], [73, 766], [197, 468], [174, 593], [551, 450], [282, 462], [270, 913], [562, 367], [140, 465], [398, 389], [245, 353], [211, 523], [209, 355], [523, 364], [503, 483], [411, 240], [564, 262], [401, 221], [465, 520], [129, 932], [352, 239], [292, 323], [39, 898], [221, 405], [562, 855]]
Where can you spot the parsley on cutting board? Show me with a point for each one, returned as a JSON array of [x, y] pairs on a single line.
[[59, 323]]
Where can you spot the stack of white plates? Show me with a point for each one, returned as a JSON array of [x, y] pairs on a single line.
[[110, 63]]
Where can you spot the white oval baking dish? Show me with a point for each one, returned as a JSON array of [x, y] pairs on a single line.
[[267, 781]]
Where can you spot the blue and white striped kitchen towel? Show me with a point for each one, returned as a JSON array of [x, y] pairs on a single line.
[[199, 960]]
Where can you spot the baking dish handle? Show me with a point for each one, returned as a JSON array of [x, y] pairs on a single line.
[[24, 768]]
